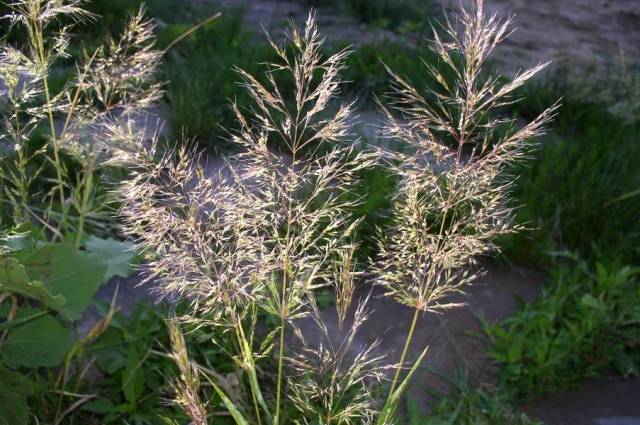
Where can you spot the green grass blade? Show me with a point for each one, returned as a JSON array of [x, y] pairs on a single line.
[[235, 412], [253, 378], [623, 197], [389, 408]]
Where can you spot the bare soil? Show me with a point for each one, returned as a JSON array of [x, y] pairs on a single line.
[[452, 336], [613, 401], [576, 32], [580, 31]]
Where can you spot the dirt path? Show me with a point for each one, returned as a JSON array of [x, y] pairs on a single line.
[[573, 31], [449, 335], [567, 30], [602, 402]]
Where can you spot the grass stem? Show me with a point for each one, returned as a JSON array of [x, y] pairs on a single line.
[[405, 350]]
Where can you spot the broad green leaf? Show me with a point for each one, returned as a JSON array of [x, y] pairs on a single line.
[[102, 406], [8, 324], [66, 271], [14, 390], [118, 256], [14, 279], [109, 351], [41, 342]]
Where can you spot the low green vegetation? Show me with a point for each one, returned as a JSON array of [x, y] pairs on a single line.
[[572, 193], [576, 196], [367, 77], [46, 288], [202, 77], [118, 372], [401, 16], [585, 324], [377, 185], [468, 404], [112, 14]]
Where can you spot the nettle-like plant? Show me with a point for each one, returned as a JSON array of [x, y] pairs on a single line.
[[250, 244]]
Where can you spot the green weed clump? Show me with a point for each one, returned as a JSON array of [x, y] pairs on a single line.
[[584, 325], [376, 189], [366, 74], [468, 404], [54, 200], [573, 192], [400, 15], [202, 77]]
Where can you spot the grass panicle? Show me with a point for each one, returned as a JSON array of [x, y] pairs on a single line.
[[113, 82], [453, 196], [262, 234], [188, 386], [245, 243]]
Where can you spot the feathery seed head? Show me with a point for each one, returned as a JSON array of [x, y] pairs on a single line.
[[453, 198]]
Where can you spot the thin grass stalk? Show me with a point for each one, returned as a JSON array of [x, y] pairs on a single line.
[[39, 38], [280, 368], [87, 191], [416, 314], [284, 313], [249, 360], [456, 171], [405, 350]]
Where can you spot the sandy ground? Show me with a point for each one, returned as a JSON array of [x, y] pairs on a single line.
[[613, 401], [567, 30], [575, 31]]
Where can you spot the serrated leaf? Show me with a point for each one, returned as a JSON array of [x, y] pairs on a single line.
[[41, 342], [66, 271], [118, 256], [14, 390]]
